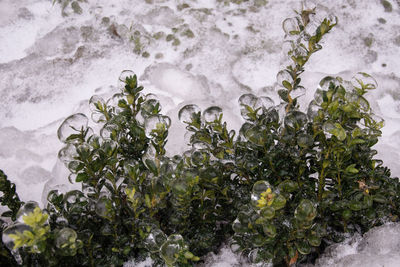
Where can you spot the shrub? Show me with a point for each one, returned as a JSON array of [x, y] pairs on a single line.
[[287, 186]]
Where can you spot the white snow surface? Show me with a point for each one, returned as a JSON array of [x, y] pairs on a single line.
[[50, 65]]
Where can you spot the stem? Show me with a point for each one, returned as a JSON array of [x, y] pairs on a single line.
[[321, 184]]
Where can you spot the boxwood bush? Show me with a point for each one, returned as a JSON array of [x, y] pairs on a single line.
[[291, 182]]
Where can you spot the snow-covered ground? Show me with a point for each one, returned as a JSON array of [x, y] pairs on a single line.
[[207, 52]]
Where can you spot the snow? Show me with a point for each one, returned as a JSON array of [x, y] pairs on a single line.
[[50, 65]]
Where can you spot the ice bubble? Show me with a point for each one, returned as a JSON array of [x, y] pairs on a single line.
[[96, 103], [109, 131], [364, 80], [102, 207], [248, 100], [238, 227], [212, 113], [122, 78], [154, 240], [13, 229], [186, 113], [72, 125], [295, 119], [290, 26], [326, 82], [117, 102], [312, 110], [171, 248], [156, 122], [27, 208], [74, 201], [67, 154], [98, 117], [65, 236], [319, 96], [282, 76], [265, 102], [258, 188], [150, 107]]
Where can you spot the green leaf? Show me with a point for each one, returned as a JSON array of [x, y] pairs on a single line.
[[287, 85], [351, 169], [81, 177], [267, 212], [151, 166], [339, 132]]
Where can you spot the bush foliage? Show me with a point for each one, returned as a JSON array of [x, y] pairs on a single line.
[[288, 185]]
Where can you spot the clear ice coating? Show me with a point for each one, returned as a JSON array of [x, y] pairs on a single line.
[[65, 236], [74, 124], [13, 229], [171, 248], [27, 208], [326, 82], [154, 240], [290, 26], [362, 79], [258, 188], [212, 113], [187, 112], [67, 153], [282, 76], [155, 123]]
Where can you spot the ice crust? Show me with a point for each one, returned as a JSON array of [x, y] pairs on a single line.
[[50, 65]]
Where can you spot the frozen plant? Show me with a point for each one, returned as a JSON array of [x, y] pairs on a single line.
[[289, 184]]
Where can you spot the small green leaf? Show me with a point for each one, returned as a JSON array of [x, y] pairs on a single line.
[[351, 169], [81, 177], [287, 85]]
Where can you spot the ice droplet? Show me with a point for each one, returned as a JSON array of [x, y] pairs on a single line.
[[327, 128], [305, 140], [27, 208], [282, 76], [258, 188], [245, 101], [171, 248], [154, 240], [290, 26], [248, 100], [332, 18], [156, 122], [364, 80], [67, 154], [150, 107], [266, 102], [117, 102], [187, 112], [319, 96], [96, 103], [74, 124], [13, 229], [65, 237], [109, 131], [101, 207], [212, 113], [326, 82], [312, 111], [122, 78]]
